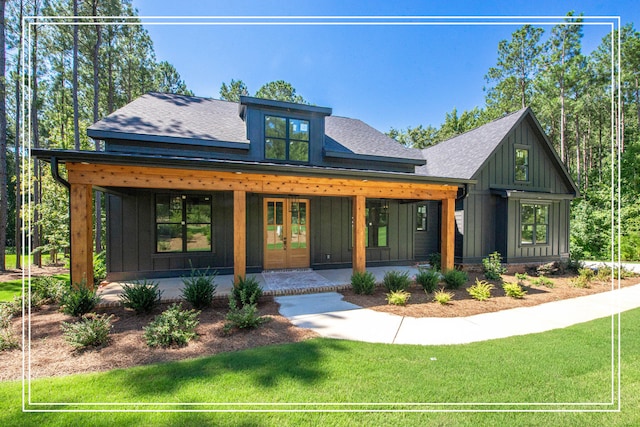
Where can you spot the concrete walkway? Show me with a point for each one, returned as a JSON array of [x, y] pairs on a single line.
[[332, 317]]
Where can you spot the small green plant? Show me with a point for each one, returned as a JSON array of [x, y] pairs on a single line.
[[398, 297], [542, 281], [92, 330], [13, 306], [605, 273], [142, 297], [513, 290], [455, 278], [435, 260], [492, 266], [173, 327], [396, 281], [7, 340], [99, 268], [521, 277], [363, 282], [80, 300], [199, 288], [244, 317], [48, 288], [428, 279], [442, 297], [585, 275], [247, 291], [481, 291]]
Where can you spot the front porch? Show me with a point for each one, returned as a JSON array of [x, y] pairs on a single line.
[[274, 283]]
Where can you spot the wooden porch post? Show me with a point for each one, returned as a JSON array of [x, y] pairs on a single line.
[[81, 235], [239, 234], [448, 233], [359, 248]]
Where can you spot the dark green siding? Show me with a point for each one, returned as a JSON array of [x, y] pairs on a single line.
[[492, 223], [428, 241]]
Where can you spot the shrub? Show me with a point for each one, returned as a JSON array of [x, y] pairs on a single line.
[[80, 300], [514, 290], [442, 297], [542, 281], [199, 288], [398, 297], [99, 268], [428, 279], [7, 339], [247, 291], [363, 282], [92, 330], [48, 288], [245, 317], [492, 266], [396, 281], [173, 326], [12, 307], [142, 297], [584, 278], [481, 291], [455, 278], [521, 277], [435, 260]]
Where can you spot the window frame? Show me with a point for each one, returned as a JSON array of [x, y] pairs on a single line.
[[382, 204], [184, 223], [422, 222], [534, 225], [288, 140], [526, 148]]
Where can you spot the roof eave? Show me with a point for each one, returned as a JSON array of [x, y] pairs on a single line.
[[369, 157], [114, 135]]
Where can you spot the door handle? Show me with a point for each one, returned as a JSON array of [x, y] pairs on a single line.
[[284, 243]]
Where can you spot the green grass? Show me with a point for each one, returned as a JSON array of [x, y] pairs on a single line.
[[10, 260], [14, 287], [567, 365]]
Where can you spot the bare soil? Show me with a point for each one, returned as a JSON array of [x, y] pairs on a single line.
[[52, 356]]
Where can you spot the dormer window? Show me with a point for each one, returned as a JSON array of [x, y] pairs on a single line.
[[286, 139]]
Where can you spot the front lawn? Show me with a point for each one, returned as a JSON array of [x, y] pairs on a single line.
[[13, 288], [561, 366]]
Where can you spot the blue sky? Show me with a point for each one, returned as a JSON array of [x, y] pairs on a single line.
[[386, 75]]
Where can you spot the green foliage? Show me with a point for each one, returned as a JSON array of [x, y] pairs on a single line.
[[398, 297], [48, 288], [455, 278], [428, 279], [79, 300], [167, 79], [7, 340], [199, 288], [173, 327], [605, 273], [99, 268], [233, 92], [142, 297], [442, 297], [246, 291], [513, 290], [417, 137], [92, 330], [585, 276], [245, 317], [435, 260], [363, 282], [13, 306], [53, 220], [481, 291], [396, 281], [280, 90], [492, 266], [521, 277], [542, 281]]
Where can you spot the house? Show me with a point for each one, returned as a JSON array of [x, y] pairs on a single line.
[[262, 184]]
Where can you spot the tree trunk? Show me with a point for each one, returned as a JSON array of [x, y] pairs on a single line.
[[96, 100], [37, 258], [3, 146], [76, 130]]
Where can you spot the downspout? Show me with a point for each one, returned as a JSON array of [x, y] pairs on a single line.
[[55, 173]]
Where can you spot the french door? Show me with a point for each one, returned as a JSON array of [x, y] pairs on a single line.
[[286, 233]]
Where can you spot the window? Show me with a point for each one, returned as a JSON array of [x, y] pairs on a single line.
[[522, 164], [183, 223], [377, 223], [421, 217], [286, 139], [534, 224]]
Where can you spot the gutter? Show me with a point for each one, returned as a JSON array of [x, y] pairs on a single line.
[[55, 172]]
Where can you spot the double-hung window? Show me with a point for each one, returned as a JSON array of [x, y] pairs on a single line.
[[522, 165], [534, 224], [286, 139], [183, 223]]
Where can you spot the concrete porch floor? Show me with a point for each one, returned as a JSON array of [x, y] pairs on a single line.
[[274, 283]]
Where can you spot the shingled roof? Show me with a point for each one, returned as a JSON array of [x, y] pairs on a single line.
[[463, 155]]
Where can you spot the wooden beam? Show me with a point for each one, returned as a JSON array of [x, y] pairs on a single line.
[[239, 234], [81, 235], [187, 179], [359, 248], [448, 233]]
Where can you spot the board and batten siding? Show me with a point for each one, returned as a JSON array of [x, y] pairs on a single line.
[[492, 224], [428, 241]]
